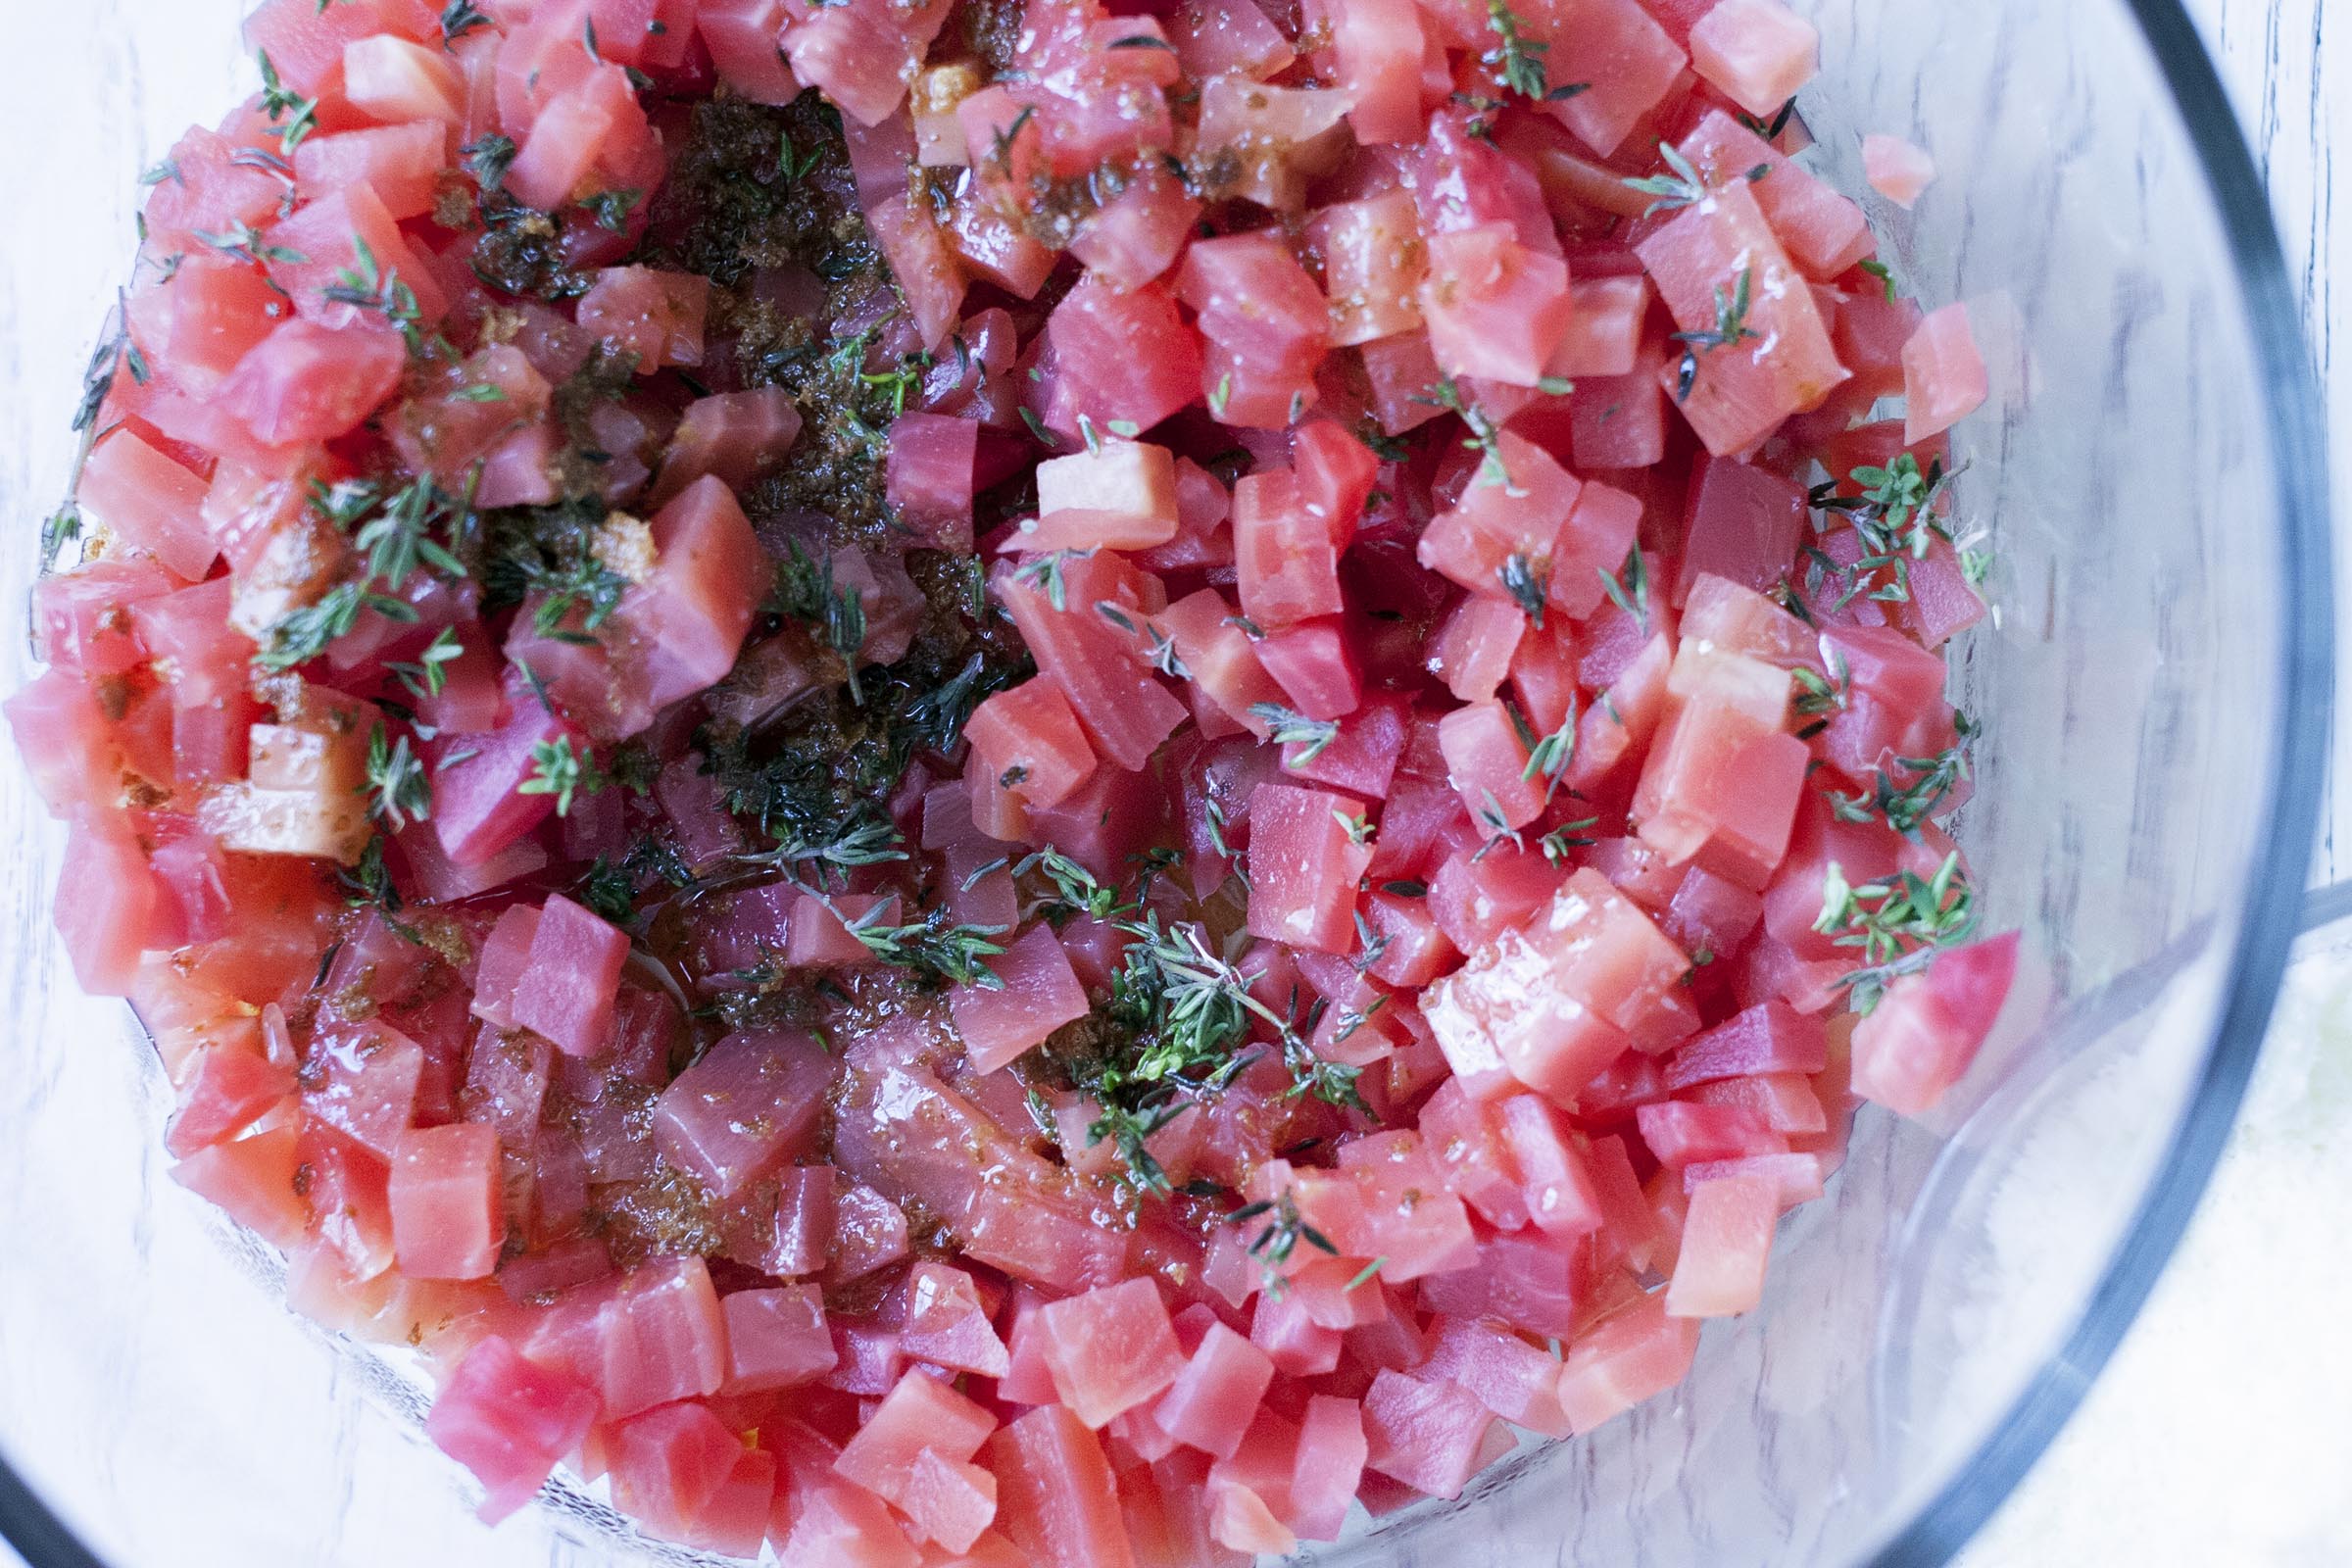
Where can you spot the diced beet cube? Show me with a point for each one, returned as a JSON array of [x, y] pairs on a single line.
[[1109, 1350], [1632, 1356], [1303, 867], [776, 1339], [1057, 1498], [947, 1323], [508, 1421], [751, 1105], [1770, 1038], [1209, 1404], [1720, 1270], [572, 978], [1039, 994], [920, 1415], [1928, 1027], [1426, 1434]]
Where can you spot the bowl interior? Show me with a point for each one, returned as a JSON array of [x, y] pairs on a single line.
[[2130, 798]]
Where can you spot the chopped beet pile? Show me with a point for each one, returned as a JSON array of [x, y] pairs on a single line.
[[962, 783]]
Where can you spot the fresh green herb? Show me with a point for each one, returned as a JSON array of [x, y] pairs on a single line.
[[488, 158], [1550, 758], [1682, 186], [866, 838], [1485, 437], [1406, 888], [1897, 923], [1220, 395], [1528, 583], [1557, 843], [280, 102], [611, 209], [559, 770], [395, 532], [1975, 567], [1927, 783], [1352, 1019], [1818, 696], [242, 242], [1277, 1241], [1882, 272], [459, 17], [795, 165], [369, 287], [1366, 1275], [370, 881], [1496, 822], [1897, 518], [932, 946], [1159, 652], [1046, 572], [397, 787], [1292, 728], [1730, 326], [610, 890], [1628, 588], [1518, 60], [63, 527], [303, 634], [1358, 825], [805, 591]]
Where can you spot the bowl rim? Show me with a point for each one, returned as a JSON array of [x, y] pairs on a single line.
[[2274, 907], [2274, 915]]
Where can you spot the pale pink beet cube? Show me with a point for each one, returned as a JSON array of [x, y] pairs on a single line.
[[1281, 1326], [948, 1325], [775, 1339], [1110, 1350], [1634, 1354], [1560, 1196], [1430, 1436], [1515, 1380], [1211, 1401], [1927, 1029], [1040, 994], [572, 978], [1943, 374], [1759, 52], [1328, 1466], [749, 1107], [478, 808], [708, 579], [869, 1232], [505, 952], [1725, 1237], [508, 1421], [448, 1217], [919, 1415], [950, 1501], [653, 1335], [1056, 1496], [1896, 170]]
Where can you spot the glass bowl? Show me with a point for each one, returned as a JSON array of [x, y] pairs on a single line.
[[2154, 697]]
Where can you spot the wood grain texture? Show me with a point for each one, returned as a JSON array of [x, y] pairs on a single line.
[[76, 152]]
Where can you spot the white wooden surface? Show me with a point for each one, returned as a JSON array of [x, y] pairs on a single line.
[[2223, 1432]]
